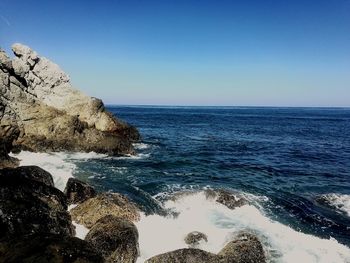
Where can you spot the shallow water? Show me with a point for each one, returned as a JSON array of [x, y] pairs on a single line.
[[282, 159]]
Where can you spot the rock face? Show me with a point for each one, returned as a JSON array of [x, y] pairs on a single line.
[[29, 204], [115, 238], [186, 255], [93, 209], [77, 191], [9, 132], [48, 248], [194, 238], [51, 115], [244, 248], [226, 198]]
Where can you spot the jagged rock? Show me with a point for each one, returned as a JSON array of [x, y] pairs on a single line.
[[226, 198], [77, 191], [194, 238], [38, 97], [93, 209], [186, 255], [245, 248], [30, 204], [48, 248], [116, 239]]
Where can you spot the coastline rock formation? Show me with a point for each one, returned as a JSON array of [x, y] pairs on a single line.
[[37, 96], [93, 209], [116, 238], [194, 238], [77, 191]]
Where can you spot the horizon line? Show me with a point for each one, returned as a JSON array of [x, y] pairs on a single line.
[[223, 106]]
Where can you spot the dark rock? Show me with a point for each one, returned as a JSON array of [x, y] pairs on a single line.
[[186, 255], [30, 172], [194, 238], [116, 238], [245, 248], [77, 191], [226, 198], [48, 248], [90, 211], [31, 205], [8, 133]]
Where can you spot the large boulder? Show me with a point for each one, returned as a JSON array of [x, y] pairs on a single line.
[[38, 97], [186, 255], [93, 209], [116, 239], [48, 248], [30, 204], [227, 198], [194, 238], [245, 248], [77, 191]]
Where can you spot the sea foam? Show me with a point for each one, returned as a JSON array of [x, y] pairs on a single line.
[[340, 202], [158, 234]]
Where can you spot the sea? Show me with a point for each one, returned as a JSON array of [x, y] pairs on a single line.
[[291, 164]]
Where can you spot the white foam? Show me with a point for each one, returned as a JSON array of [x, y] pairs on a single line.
[[159, 234], [141, 146], [340, 202], [80, 230], [59, 164]]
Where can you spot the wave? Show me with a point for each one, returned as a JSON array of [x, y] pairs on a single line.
[[141, 146], [158, 234], [59, 164], [339, 202]]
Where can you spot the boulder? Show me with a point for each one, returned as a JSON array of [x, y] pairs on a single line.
[[115, 238], [194, 238], [77, 191], [93, 209], [229, 199], [48, 248], [186, 255], [245, 248], [37, 96], [30, 204]]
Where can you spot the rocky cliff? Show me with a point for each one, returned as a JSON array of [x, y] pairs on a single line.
[[38, 98]]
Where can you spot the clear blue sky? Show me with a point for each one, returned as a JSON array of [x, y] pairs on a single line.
[[280, 53]]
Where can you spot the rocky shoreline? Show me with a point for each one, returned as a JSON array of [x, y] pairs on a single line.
[[40, 111]]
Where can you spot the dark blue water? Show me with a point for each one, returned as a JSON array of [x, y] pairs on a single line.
[[290, 155]]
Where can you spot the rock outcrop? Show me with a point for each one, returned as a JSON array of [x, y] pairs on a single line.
[[93, 209], [77, 191], [229, 199], [186, 255], [9, 132], [48, 248], [29, 204], [51, 115], [194, 238], [245, 247], [116, 238]]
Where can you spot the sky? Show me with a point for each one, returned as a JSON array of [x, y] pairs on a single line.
[[232, 53]]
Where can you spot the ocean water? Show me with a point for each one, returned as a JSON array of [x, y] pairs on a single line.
[[292, 164]]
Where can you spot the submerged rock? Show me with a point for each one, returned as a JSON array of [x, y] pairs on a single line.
[[186, 255], [90, 211], [229, 199], [116, 238], [48, 248], [194, 238], [77, 191], [245, 248], [37, 96], [30, 204]]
